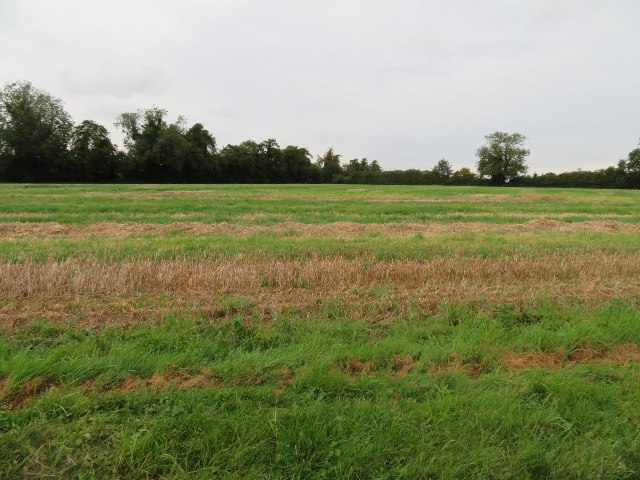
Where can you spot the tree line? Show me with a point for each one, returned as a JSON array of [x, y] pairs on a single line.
[[39, 142]]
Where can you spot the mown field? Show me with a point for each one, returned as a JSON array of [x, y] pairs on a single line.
[[334, 331]]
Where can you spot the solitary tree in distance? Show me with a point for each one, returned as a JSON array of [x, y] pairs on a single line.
[[502, 157]]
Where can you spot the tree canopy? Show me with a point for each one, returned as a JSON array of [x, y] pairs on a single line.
[[35, 131], [443, 169], [40, 143], [330, 164], [502, 157], [93, 158]]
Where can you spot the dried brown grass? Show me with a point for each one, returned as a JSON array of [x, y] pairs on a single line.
[[618, 354], [356, 367], [4, 384], [525, 196], [184, 379], [93, 293], [242, 274], [455, 364], [615, 355], [156, 195], [403, 365], [536, 215], [178, 378], [29, 391], [170, 377], [302, 230], [361, 194], [529, 196]]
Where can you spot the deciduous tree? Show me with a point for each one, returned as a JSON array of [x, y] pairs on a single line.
[[203, 164], [93, 155], [34, 134], [297, 163], [502, 157], [633, 161], [443, 170], [330, 164]]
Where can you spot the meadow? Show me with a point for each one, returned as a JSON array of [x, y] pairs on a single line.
[[319, 331]]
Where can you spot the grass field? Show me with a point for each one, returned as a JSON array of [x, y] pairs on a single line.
[[334, 331]]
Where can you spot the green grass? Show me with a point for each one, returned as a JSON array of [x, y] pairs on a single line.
[[478, 334], [268, 244], [305, 390], [576, 422], [306, 203]]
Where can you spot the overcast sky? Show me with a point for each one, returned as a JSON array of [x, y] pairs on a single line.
[[405, 82]]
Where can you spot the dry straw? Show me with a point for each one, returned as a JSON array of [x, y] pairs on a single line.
[[331, 230], [251, 274]]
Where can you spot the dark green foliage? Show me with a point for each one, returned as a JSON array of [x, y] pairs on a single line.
[[93, 158], [202, 163], [330, 164], [359, 171], [240, 161], [611, 177], [502, 157], [464, 176], [38, 143], [156, 150], [442, 170], [297, 166], [34, 134], [633, 162]]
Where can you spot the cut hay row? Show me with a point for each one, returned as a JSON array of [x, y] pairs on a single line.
[[81, 309], [350, 195], [242, 274], [304, 230]]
